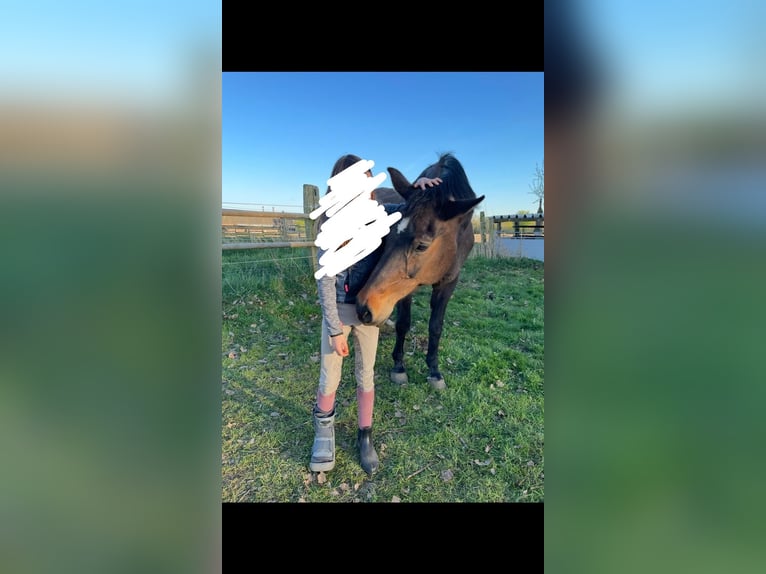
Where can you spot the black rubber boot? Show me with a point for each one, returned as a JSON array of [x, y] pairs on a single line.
[[367, 455], [323, 449]]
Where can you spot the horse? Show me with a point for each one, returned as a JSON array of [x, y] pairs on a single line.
[[428, 246]]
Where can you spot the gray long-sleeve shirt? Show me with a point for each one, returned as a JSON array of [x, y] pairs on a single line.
[[328, 303]]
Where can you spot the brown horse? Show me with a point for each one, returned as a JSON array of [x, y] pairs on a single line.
[[428, 246]]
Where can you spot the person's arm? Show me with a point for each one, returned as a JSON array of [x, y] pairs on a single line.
[[326, 289]]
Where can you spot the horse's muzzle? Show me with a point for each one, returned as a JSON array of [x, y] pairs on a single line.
[[364, 314]]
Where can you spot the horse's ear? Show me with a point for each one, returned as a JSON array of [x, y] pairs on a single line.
[[451, 209], [387, 195], [401, 184]]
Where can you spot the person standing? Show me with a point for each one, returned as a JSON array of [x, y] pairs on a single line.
[[337, 298]]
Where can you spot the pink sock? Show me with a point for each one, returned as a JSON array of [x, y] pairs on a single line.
[[365, 402], [325, 403]]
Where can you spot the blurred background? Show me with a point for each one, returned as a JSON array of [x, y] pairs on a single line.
[[110, 283], [655, 144], [110, 287]]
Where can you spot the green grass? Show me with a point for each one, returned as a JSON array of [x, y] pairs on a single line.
[[480, 440]]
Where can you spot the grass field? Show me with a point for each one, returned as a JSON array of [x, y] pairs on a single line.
[[480, 440]]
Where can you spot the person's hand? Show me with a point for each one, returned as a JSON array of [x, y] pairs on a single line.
[[340, 345], [427, 181]]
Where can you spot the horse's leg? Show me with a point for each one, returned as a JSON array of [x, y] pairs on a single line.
[[440, 296], [403, 320]]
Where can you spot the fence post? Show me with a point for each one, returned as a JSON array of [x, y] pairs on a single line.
[[482, 224], [491, 237], [310, 203]]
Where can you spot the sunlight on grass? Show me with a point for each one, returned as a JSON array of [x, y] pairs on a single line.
[[480, 440]]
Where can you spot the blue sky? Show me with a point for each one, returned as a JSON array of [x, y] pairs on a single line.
[[282, 130], [137, 52], [678, 57]]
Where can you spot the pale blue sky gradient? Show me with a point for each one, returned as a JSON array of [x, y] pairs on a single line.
[[132, 53]]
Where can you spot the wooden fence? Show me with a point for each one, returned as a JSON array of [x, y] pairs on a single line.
[[259, 229], [529, 224], [242, 229]]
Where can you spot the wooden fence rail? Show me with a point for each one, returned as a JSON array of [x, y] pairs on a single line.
[[242, 229], [266, 244]]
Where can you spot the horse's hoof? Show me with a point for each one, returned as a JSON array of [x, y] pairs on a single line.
[[437, 382], [399, 378]]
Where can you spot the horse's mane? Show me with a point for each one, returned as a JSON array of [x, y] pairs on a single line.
[[454, 184]]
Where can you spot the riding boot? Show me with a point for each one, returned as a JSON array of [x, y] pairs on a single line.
[[367, 455], [323, 449]]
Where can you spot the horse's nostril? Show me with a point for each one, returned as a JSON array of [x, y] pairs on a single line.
[[363, 312]]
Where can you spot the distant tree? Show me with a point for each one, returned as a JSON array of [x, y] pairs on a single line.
[[537, 187]]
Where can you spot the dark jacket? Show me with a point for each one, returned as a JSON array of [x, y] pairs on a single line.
[[347, 283]]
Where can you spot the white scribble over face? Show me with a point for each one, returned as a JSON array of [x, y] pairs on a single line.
[[403, 225], [355, 221]]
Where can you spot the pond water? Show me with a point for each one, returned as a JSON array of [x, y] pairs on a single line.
[[520, 247]]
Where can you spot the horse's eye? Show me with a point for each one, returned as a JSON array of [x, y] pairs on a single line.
[[421, 247]]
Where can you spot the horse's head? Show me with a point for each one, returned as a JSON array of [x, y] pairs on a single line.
[[429, 244]]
